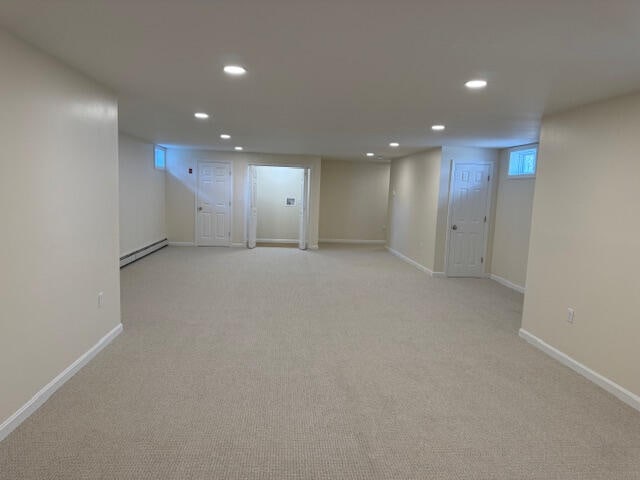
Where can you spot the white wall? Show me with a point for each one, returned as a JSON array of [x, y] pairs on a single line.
[[59, 217], [354, 199], [413, 205], [585, 236], [181, 188], [276, 220], [142, 195], [512, 225]]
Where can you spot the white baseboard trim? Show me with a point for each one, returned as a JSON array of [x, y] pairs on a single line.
[[507, 283], [613, 388], [238, 245], [277, 240], [39, 398], [182, 244], [438, 274], [353, 242], [412, 262]]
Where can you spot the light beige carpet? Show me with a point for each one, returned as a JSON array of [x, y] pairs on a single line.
[[343, 363]]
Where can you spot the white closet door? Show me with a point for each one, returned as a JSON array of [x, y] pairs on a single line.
[[470, 197], [213, 215]]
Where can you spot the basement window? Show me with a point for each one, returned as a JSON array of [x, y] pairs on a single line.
[[159, 157], [523, 162]]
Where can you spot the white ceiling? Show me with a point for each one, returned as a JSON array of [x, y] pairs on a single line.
[[340, 77]]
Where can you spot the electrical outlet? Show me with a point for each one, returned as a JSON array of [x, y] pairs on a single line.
[[570, 315], [100, 299]]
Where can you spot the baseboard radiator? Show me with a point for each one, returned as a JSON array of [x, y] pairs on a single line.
[[143, 252]]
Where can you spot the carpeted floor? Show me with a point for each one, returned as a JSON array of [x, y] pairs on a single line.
[[342, 363]]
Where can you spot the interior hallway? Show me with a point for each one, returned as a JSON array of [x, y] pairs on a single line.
[[342, 363]]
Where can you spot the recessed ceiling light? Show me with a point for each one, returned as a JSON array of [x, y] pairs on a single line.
[[371, 154], [437, 128], [394, 144], [238, 148], [235, 70], [476, 84], [201, 115], [224, 136]]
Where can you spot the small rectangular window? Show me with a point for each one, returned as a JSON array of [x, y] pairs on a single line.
[[160, 157], [523, 162]]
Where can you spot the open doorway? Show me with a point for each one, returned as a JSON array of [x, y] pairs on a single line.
[[278, 199]]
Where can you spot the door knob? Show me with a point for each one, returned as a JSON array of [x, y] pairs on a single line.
[[199, 209], [455, 227]]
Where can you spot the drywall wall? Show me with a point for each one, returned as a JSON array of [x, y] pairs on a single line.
[[584, 239], [354, 198], [59, 208], [512, 225], [181, 187], [276, 220], [414, 190], [142, 196]]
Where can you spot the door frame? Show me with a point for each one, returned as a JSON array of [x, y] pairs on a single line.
[[303, 243], [196, 196], [454, 164], [307, 198]]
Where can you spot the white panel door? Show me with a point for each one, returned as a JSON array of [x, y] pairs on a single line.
[[302, 243], [213, 216], [470, 197], [252, 226]]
